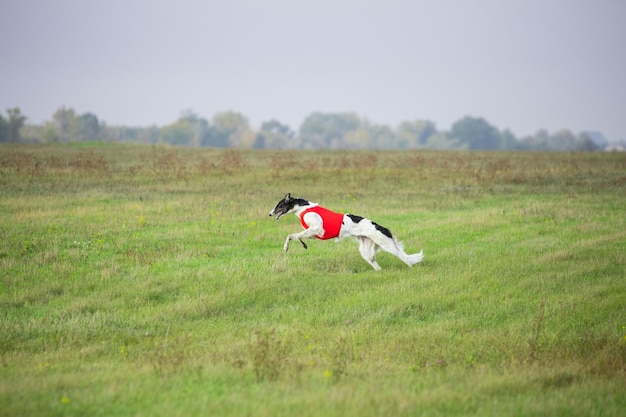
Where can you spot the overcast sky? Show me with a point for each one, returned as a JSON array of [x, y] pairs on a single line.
[[521, 64]]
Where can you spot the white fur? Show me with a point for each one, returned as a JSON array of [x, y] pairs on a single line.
[[370, 239]]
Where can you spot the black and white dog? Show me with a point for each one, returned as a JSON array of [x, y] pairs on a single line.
[[324, 224]]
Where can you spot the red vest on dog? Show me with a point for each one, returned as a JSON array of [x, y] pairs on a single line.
[[331, 221]]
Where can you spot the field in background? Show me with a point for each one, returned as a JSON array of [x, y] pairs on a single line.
[[139, 280]]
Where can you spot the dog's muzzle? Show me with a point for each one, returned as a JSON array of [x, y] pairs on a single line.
[[277, 214]]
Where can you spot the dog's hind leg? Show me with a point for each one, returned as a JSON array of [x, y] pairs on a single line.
[[367, 248], [389, 244]]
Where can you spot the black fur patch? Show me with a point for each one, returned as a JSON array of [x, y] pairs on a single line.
[[383, 230], [285, 205], [299, 202], [354, 218]]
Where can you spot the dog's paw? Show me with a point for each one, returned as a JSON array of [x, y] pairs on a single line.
[[303, 244]]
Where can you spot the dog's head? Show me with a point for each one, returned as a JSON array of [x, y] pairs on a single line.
[[287, 205]]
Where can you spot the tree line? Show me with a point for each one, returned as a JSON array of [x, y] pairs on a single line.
[[318, 131]]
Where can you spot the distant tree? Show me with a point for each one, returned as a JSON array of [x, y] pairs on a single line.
[[508, 140], [275, 135], [50, 133], [370, 137], [596, 137], [198, 125], [538, 141], [178, 133], [585, 142], [535, 143], [230, 129], [563, 140], [542, 135], [476, 133], [443, 141], [327, 130], [148, 135], [360, 138], [382, 137], [89, 127], [67, 124], [190, 129], [415, 134], [151, 134], [10, 127], [4, 129], [214, 138]]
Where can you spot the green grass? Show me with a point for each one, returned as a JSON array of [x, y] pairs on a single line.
[[140, 280]]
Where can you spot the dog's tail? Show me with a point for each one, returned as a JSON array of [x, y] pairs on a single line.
[[415, 258], [410, 260]]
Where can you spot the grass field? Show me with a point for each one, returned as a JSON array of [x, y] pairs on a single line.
[[149, 281]]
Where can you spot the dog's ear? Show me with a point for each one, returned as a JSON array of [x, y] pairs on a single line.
[[288, 197]]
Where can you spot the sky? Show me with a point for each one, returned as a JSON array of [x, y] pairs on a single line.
[[523, 65]]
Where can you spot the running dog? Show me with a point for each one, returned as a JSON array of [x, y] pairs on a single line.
[[324, 224]]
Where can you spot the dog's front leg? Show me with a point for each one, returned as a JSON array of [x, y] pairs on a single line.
[[306, 234], [286, 247]]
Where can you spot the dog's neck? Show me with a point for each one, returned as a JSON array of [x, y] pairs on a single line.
[[301, 206]]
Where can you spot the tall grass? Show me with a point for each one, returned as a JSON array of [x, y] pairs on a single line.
[[141, 280]]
